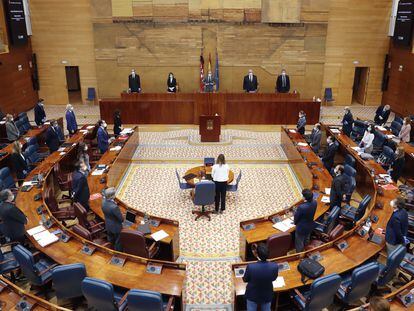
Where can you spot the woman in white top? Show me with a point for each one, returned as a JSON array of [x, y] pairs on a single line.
[[405, 131], [367, 140], [220, 174]]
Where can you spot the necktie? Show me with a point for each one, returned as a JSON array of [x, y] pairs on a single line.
[[251, 79], [283, 81]]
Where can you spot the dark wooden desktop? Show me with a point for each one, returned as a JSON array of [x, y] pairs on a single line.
[[234, 108]]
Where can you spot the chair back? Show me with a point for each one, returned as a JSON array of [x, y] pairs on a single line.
[[27, 264], [31, 154], [395, 127], [336, 232], [279, 244], [133, 242], [349, 160], [50, 200], [361, 281], [328, 94], [209, 161], [180, 184], [393, 262], [99, 294], [349, 171], [33, 142], [238, 179], [362, 207], [322, 292], [7, 178], [83, 232], [67, 280], [379, 139], [332, 219], [91, 93], [144, 300], [358, 129], [205, 193], [398, 120], [81, 214]]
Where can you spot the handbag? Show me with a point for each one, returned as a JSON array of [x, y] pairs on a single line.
[[310, 268]]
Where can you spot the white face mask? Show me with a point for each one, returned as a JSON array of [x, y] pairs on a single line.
[[283, 73]]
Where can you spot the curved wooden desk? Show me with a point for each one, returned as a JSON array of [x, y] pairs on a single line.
[[207, 170], [132, 275], [359, 250]]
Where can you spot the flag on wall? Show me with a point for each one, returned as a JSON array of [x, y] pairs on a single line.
[[209, 62], [217, 73], [201, 72]]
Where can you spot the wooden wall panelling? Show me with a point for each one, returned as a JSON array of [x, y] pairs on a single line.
[[281, 11], [4, 48]]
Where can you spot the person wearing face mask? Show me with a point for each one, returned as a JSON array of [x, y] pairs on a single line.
[[300, 126], [19, 162], [397, 226], [134, 82], [172, 86], [12, 131], [283, 83], [303, 220], [315, 138], [12, 217], [339, 187], [117, 123], [71, 123], [347, 122], [366, 143], [329, 154], [382, 114], [250, 84], [54, 136], [83, 155], [405, 132], [39, 113], [102, 137], [397, 164], [80, 187], [113, 218], [209, 83]]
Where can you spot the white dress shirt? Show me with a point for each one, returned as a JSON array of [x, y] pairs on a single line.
[[368, 139], [220, 172]]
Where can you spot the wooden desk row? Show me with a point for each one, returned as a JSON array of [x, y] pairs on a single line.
[[334, 261], [133, 274], [234, 108]]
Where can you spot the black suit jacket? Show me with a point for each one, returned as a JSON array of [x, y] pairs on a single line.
[[248, 85], [40, 114], [303, 218], [117, 125], [20, 165], [113, 216], [80, 189], [329, 155], [259, 277], [397, 227], [134, 83], [54, 138], [347, 122], [339, 187], [397, 168], [172, 84], [383, 114], [279, 84], [13, 221]]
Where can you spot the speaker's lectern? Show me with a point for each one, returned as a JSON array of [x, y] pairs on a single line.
[[210, 128]]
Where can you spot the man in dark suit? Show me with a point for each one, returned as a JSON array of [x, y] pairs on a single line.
[[347, 121], [250, 83], [283, 83], [102, 137], [80, 187], [12, 131], [39, 112], [315, 138], [397, 226], [2, 115], [134, 82], [113, 218], [300, 126], [54, 136], [12, 217], [71, 123], [329, 155], [259, 277], [382, 114], [339, 187], [171, 83], [303, 220], [209, 83]]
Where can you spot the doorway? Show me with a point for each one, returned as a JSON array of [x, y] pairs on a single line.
[[359, 90], [73, 84]]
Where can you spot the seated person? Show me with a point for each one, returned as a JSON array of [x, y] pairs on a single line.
[[12, 131], [303, 220], [382, 114], [397, 166], [378, 304], [250, 83], [54, 136], [300, 126], [366, 144], [13, 218], [405, 132]]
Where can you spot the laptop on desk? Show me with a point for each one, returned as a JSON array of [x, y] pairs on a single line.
[[129, 219]]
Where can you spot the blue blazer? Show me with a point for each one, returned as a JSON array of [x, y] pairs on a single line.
[[71, 123], [40, 114], [303, 218], [259, 277], [300, 126], [113, 216], [397, 227], [54, 137], [13, 221], [80, 189], [102, 140]]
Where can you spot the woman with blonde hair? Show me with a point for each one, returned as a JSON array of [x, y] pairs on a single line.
[[220, 175], [19, 161]]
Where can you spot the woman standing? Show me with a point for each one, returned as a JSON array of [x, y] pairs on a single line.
[[83, 155], [220, 174], [397, 165], [405, 131], [19, 162], [117, 123], [366, 143]]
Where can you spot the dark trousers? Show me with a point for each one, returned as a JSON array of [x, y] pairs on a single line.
[[221, 187], [300, 241], [113, 238]]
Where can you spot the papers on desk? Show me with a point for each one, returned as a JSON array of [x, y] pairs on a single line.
[[389, 187], [126, 131], [325, 199], [303, 144], [35, 230], [390, 136], [328, 191], [292, 131], [61, 149], [381, 128], [26, 138], [335, 131], [29, 183], [387, 178], [284, 225], [117, 148], [98, 172], [358, 150], [47, 123], [83, 131], [2, 122], [159, 235], [279, 282], [90, 127], [62, 153], [42, 236], [95, 196]]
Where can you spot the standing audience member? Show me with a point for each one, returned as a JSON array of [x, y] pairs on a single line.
[[366, 143], [80, 187], [405, 132], [113, 218], [315, 138], [397, 165], [12, 131], [303, 220], [339, 187], [259, 277], [347, 122], [83, 155], [12, 217], [329, 155], [39, 112], [102, 137], [117, 123], [300, 126], [382, 114], [71, 123], [19, 162], [397, 226], [220, 174], [54, 136]]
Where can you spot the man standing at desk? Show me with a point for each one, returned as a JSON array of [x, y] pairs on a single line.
[[283, 83], [303, 220], [209, 83], [250, 83], [39, 113], [113, 218], [134, 82]]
